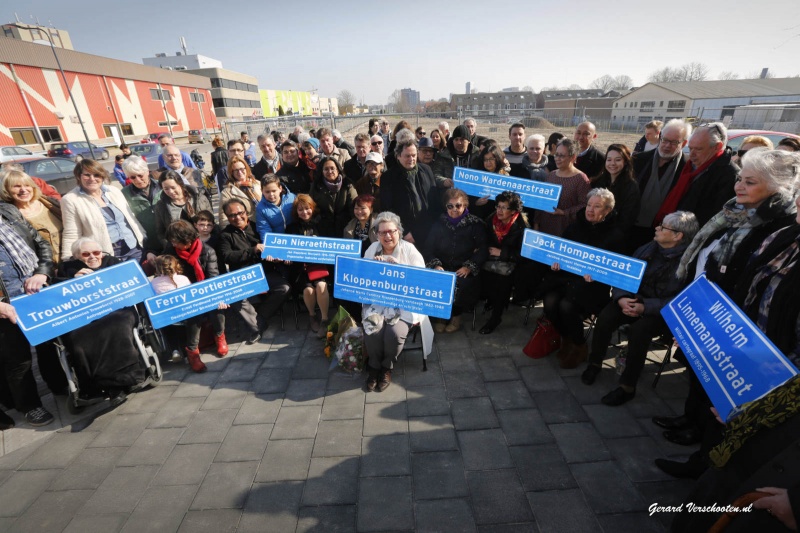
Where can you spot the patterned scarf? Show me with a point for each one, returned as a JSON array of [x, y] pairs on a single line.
[[500, 229], [23, 258]]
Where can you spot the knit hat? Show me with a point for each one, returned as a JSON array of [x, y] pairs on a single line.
[[460, 131], [313, 141]]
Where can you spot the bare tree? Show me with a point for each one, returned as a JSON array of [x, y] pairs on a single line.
[[728, 75], [623, 81], [347, 101], [694, 71], [604, 83], [528, 88], [574, 87], [398, 103]]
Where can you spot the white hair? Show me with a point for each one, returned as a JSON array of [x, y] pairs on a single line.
[[535, 137]]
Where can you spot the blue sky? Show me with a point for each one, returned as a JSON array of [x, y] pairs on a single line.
[[371, 49]]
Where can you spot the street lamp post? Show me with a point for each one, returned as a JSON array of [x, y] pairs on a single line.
[[44, 31]]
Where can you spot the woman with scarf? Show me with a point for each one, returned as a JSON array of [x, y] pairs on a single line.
[[504, 231], [334, 197], [198, 262], [241, 184], [457, 243], [178, 202], [765, 192]]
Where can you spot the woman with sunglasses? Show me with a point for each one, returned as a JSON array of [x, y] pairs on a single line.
[[457, 243]]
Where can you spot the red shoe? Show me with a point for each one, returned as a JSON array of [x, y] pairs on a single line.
[[193, 356], [222, 345]]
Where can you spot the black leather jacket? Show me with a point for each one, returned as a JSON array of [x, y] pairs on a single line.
[[10, 215]]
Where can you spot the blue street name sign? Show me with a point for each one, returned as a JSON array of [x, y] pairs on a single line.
[[69, 305], [322, 250], [733, 359], [205, 296], [414, 289], [612, 269], [534, 194]]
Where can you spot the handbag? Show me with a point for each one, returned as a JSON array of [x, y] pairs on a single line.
[[545, 339], [315, 272], [503, 268]]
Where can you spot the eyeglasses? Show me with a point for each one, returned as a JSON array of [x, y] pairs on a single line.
[[662, 227], [561, 156], [454, 206], [240, 170], [387, 233], [423, 133], [376, 143], [96, 253], [502, 208], [237, 214], [669, 143]]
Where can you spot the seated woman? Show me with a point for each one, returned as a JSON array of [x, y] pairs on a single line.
[[490, 159], [101, 213], [274, 211], [178, 202], [386, 328], [333, 196], [504, 232], [617, 177], [312, 277], [457, 243], [643, 309], [241, 184], [103, 354], [362, 226], [198, 262], [571, 298]]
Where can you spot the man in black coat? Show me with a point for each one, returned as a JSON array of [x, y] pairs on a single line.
[[355, 166], [591, 161], [269, 163], [293, 173]]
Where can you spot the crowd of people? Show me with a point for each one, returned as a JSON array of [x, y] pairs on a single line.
[[684, 211]]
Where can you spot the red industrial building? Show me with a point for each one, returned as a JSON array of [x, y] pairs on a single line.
[[136, 99]]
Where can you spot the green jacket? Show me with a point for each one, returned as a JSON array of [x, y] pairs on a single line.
[[144, 209]]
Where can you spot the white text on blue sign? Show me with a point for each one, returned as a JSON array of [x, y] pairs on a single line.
[[534, 194], [305, 249]]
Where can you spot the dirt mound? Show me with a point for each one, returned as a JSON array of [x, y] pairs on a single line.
[[538, 123]]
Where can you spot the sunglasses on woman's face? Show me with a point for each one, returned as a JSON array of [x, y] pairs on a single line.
[[96, 253]]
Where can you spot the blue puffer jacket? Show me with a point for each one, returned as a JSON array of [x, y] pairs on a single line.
[[271, 218]]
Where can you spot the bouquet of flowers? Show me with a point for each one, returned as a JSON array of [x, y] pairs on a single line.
[[350, 351], [341, 321]]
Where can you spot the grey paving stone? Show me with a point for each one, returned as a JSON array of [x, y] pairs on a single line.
[[484, 449], [105, 523], [89, 469], [636, 456], [594, 479], [178, 413], [432, 433], [211, 521], [385, 455], [152, 447], [542, 467], [281, 358], [343, 405], [208, 426], [613, 422], [225, 486], [148, 401], [311, 367], [122, 431], [336, 438], [161, 509], [438, 475], [305, 392], [12, 460], [474, 413], [59, 451], [549, 506], [498, 369], [639, 522], [174, 373], [22, 488], [196, 385], [462, 360], [559, 407], [120, 491], [240, 370], [590, 395], [52, 511], [224, 397], [497, 497], [271, 381], [385, 419], [672, 492], [297, 422], [524, 426], [384, 503], [542, 378], [244, 443], [187, 464], [271, 508], [416, 377], [331, 480], [259, 409], [394, 394], [427, 401], [464, 385], [285, 460], [523, 527], [510, 395], [580, 442], [444, 516], [328, 518]]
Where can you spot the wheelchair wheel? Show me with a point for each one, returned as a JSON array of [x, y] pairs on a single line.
[[149, 359], [155, 366]]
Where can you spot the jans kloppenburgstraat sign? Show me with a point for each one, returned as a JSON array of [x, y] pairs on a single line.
[[534, 194], [309, 249], [733, 359], [198, 298], [612, 269], [414, 289], [69, 305]]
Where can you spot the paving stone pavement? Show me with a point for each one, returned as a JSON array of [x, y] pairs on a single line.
[[270, 440]]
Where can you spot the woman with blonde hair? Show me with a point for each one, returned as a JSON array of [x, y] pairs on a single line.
[[242, 185], [41, 212]]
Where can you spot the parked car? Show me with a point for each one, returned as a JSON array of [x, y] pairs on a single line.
[[149, 151], [735, 138], [153, 137], [12, 153], [77, 151], [198, 136], [56, 171]]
